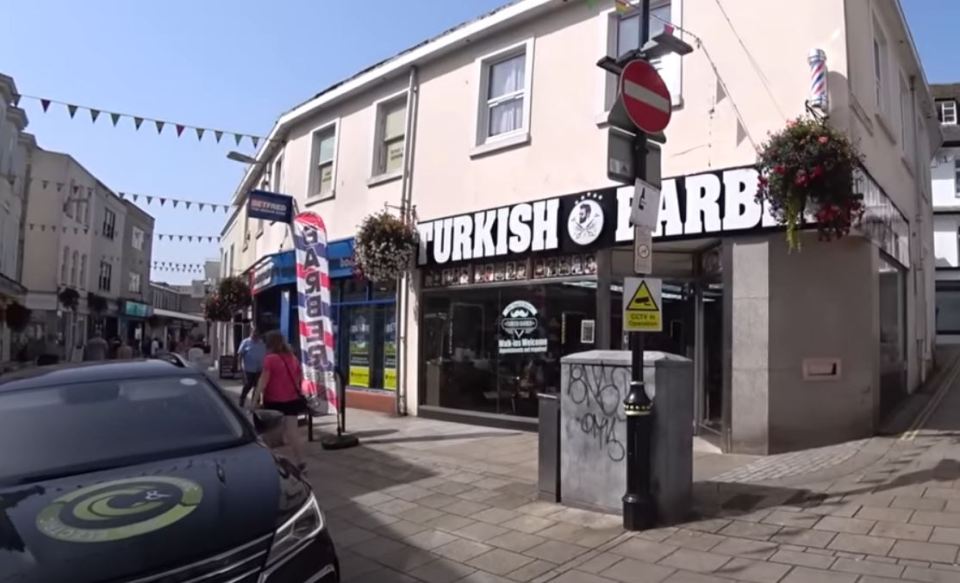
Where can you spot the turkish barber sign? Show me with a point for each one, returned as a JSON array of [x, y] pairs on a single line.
[[269, 206], [697, 205]]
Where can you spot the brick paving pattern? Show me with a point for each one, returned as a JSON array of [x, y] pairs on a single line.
[[435, 502]]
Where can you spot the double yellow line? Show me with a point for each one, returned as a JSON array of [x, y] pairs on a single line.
[[932, 404]]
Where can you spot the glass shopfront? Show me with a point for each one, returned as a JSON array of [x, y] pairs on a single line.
[[492, 349], [364, 324]]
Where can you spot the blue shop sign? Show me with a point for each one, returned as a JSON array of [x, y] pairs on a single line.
[[274, 270], [340, 258], [136, 309], [270, 206]]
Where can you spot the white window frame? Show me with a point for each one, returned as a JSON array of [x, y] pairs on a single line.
[[83, 271], [109, 220], [608, 85], [378, 173], [882, 78], [136, 238], [64, 265], [133, 285], [313, 168], [942, 106], [482, 144], [74, 260], [106, 276]]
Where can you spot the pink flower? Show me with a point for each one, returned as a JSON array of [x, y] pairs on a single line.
[[779, 169], [823, 139], [817, 171]]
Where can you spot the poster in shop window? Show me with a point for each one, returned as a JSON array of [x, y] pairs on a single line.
[[359, 358], [520, 330], [390, 352]]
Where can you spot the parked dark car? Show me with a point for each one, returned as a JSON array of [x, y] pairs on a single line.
[[145, 472]]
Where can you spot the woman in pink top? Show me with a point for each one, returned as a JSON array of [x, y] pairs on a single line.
[[279, 384]]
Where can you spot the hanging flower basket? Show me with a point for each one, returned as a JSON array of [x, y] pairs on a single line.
[[215, 310], [234, 294], [808, 167], [385, 246], [69, 298], [17, 317]]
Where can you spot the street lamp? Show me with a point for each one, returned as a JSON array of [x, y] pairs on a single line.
[[241, 157]]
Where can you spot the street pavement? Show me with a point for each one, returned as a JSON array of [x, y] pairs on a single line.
[[423, 500]]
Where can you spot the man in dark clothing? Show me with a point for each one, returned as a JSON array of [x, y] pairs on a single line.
[[96, 348]]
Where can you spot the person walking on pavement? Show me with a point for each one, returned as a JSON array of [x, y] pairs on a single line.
[[154, 347], [96, 348], [279, 385], [252, 351]]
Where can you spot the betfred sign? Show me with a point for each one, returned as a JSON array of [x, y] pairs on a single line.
[[269, 206], [691, 206], [645, 96]]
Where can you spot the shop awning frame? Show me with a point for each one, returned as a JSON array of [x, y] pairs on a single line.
[[178, 315]]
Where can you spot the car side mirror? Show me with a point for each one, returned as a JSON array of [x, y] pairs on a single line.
[[266, 420]]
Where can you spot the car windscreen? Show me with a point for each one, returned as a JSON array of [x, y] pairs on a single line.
[[61, 430]]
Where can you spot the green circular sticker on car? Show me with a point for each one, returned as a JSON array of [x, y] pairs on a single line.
[[119, 509]]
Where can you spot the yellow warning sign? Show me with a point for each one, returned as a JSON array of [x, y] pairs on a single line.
[[642, 306]]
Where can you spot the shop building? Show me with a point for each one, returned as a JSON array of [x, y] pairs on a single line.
[[135, 275], [945, 173], [495, 133]]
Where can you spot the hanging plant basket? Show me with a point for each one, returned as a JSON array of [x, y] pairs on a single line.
[[385, 246], [17, 317], [234, 293], [808, 167], [69, 298], [97, 304], [215, 310]]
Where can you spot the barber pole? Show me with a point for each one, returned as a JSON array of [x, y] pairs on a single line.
[[818, 80], [317, 352]]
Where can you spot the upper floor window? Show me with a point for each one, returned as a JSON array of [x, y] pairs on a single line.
[[880, 68], [83, 271], [390, 133], [323, 154], [109, 223], [106, 275], [956, 176], [504, 103], [136, 238], [73, 267], [64, 265], [947, 111], [624, 32], [134, 284]]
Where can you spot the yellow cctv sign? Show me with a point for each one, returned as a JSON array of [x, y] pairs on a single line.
[[642, 306]]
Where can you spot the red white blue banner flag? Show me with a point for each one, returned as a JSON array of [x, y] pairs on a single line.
[[317, 354]]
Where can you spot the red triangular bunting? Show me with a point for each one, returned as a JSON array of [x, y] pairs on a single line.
[[159, 126], [94, 114], [114, 117], [199, 134], [179, 129], [45, 104], [217, 134], [72, 109], [137, 122]]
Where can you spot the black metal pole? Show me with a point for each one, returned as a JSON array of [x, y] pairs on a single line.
[[639, 510]]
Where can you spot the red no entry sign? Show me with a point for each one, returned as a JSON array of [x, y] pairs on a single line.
[[645, 96]]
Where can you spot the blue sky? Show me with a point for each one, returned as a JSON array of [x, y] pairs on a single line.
[[230, 64], [235, 65]]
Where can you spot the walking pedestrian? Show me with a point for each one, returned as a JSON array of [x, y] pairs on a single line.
[[279, 385], [251, 352], [154, 347], [96, 348]]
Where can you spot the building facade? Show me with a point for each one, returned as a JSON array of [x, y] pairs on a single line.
[[945, 173], [495, 134], [76, 231], [137, 255], [16, 149]]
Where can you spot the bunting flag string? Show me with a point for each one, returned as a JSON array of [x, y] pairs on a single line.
[[138, 120], [88, 192], [86, 230], [181, 267]]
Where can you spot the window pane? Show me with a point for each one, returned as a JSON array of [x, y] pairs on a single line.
[[326, 178], [393, 118], [628, 34], [506, 117], [506, 76], [325, 146], [394, 155]]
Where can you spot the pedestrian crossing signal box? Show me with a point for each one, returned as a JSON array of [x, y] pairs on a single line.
[[642, 304]]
